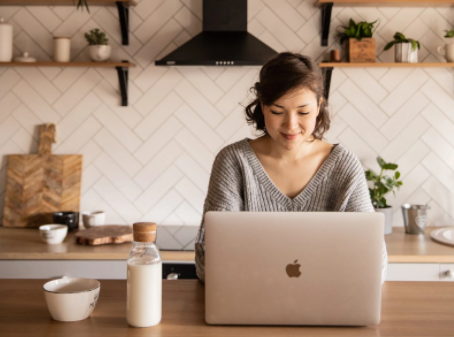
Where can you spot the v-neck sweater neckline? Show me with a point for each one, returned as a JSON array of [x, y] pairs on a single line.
[[274, 191]]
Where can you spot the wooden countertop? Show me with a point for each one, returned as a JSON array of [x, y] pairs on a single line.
[[408, 309], [25, 244]]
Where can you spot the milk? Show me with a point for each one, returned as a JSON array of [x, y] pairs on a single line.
[[144, 294]]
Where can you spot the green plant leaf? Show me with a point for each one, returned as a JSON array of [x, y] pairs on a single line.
[[390, 166], [397, 175], [381, 162], [399, 37], [414, 45], [449, 33], [389, 45]]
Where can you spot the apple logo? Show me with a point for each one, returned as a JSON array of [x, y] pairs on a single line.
[[293, 270]]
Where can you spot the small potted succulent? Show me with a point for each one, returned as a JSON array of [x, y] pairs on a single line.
[[405, 49], [382, 185], [361, 44], [98, 48], [447, 51]]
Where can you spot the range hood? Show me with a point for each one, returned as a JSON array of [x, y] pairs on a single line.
[[224, 40]]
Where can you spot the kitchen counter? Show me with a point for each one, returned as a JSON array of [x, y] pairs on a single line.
[[408, 309], [25, 244]]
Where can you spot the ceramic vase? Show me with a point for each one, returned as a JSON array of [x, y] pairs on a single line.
[[388, 212], [99, 53], [404, 53]]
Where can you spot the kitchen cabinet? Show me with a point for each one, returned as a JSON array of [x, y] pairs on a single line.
[[23, 255]]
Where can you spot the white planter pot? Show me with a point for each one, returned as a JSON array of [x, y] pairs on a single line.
[[404, 53], [388, 212], [99, 53], [447, 51]]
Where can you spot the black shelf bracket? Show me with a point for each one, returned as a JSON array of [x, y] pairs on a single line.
[[327, 72], [123, 81], [123, 16], [326, 21]]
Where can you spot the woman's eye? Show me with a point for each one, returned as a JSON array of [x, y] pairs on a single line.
[[304, 113], [276, 113]]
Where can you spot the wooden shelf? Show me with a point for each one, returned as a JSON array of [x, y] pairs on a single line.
[[390, 3], [385, 65], [68, 64], [121, 67], [63, 2]]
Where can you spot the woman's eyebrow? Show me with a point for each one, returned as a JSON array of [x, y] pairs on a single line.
[[301, 106]]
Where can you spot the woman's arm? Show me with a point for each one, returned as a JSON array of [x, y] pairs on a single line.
[[224, 195]]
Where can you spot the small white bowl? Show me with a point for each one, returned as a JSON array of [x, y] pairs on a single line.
[[71, 299], [53, 234], [93, 219]]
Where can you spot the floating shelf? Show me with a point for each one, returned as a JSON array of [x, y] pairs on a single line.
[[122, 70], [385, 65], [326, 7], [63, 2], [122, 6], [327, 68], [390, 3]]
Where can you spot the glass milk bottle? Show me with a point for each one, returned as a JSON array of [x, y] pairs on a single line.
[[144, 284]]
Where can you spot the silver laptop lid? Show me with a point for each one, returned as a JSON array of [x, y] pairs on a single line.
[[293, 268]]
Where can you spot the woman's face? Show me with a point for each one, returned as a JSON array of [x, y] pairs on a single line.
[[291, 119]]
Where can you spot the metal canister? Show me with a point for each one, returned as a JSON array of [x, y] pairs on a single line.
[[415, 217]]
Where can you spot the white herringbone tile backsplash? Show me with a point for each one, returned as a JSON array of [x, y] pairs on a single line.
[[152, 160]]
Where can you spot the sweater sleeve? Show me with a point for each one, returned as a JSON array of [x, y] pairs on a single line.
[[224, 195], [359, 201]]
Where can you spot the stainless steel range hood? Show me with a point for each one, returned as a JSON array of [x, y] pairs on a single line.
[[224, 40]]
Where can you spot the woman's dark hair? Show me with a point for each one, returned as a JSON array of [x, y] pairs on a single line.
[[282, 74]]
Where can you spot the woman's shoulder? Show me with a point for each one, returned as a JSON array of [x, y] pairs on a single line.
[[347, 162], [233, 150]]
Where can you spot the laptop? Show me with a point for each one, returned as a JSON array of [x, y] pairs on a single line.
[[293, 268]]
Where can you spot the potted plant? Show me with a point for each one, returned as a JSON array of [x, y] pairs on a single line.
[[447, 51], [382, 185], [361, 44], [83, 3], [98, 48], [405, 49]]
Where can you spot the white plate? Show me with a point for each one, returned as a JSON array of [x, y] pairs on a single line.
[[444, 235]]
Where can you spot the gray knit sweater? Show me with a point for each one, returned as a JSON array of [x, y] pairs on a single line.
[[238, 182]]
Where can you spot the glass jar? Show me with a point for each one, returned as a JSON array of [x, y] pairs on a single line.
[[144, 278]]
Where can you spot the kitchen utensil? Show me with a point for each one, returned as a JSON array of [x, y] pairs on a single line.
[[6, 41], [70, 219], [415, 217], [53, 234], [24, 58], [93, 219], [40, 184], [62, 49], [105, 234], [71, 299], [443, 235]]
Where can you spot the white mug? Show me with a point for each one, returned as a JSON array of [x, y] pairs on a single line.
[[447, 51], [93, 219]]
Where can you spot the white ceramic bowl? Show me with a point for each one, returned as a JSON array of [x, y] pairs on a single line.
[[53, 233], [93, 219], [71, 299]]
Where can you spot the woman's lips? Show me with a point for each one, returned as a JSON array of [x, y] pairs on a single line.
[[290, 137]]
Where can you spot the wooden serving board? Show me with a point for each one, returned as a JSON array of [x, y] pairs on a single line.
[[37, 185], [105, 234]]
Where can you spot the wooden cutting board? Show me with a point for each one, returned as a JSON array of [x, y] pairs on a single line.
[[105, 234], [37, 185]]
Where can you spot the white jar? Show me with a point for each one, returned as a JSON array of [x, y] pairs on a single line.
[[62, 49], [6, 41]]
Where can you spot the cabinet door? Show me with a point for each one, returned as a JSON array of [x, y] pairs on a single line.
[[413, 272], [447, 272]]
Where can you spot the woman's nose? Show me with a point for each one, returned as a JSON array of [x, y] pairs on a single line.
[[291, 122]]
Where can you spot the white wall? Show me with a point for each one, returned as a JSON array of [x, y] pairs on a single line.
[[151, 160]]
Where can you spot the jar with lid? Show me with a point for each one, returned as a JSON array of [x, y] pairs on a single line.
[[144, 278]]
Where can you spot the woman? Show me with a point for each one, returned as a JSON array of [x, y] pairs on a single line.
[[289, 168]]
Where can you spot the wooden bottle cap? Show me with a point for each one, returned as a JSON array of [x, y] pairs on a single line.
[[144, 231]]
